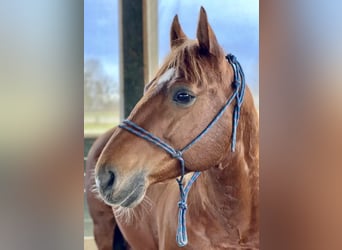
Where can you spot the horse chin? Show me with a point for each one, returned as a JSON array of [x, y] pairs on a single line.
[[134, 198], [135, 202], [128, 198]]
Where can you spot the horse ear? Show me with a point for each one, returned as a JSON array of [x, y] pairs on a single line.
[[205, 35], [177, 36]]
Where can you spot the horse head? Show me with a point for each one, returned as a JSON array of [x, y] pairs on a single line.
[[189, 89]]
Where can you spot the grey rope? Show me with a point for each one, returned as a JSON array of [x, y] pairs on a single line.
[[238, 86]]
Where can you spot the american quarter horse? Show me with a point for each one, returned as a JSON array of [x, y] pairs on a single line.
[[199, 97]]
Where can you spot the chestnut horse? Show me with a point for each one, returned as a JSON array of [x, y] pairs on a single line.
[[135, 175]]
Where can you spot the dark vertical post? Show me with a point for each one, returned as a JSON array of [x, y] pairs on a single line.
[[138, 59], [131, 54]]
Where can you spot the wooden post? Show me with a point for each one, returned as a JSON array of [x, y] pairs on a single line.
[[150, 16]]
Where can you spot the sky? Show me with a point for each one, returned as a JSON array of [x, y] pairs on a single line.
[[235, 23], [101, 36]]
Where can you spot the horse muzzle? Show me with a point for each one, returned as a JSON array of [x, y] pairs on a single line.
[[119, 191]]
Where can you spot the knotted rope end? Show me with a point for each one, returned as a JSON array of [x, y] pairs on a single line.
[[182, 243]]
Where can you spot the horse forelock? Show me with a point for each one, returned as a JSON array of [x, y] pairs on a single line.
[[185, 62]]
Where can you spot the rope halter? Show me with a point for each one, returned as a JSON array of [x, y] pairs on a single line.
[[238, 86]]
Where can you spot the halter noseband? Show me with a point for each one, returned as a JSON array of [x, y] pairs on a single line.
[[238, 86]]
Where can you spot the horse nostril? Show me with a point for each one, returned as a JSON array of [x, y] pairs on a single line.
[[106, 178], [111, 178]]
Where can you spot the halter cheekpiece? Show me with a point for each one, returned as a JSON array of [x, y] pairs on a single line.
[[238, 86]]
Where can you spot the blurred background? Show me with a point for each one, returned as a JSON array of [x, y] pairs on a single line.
[[42, 111]]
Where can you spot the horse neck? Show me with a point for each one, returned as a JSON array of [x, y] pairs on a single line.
[[229, 191]]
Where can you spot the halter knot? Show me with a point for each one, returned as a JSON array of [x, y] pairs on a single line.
[[182, 205], [180, 183], [235, 84], [177, 154], [231, 58]]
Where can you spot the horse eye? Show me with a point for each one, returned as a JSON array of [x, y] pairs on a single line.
[[183, 97]]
